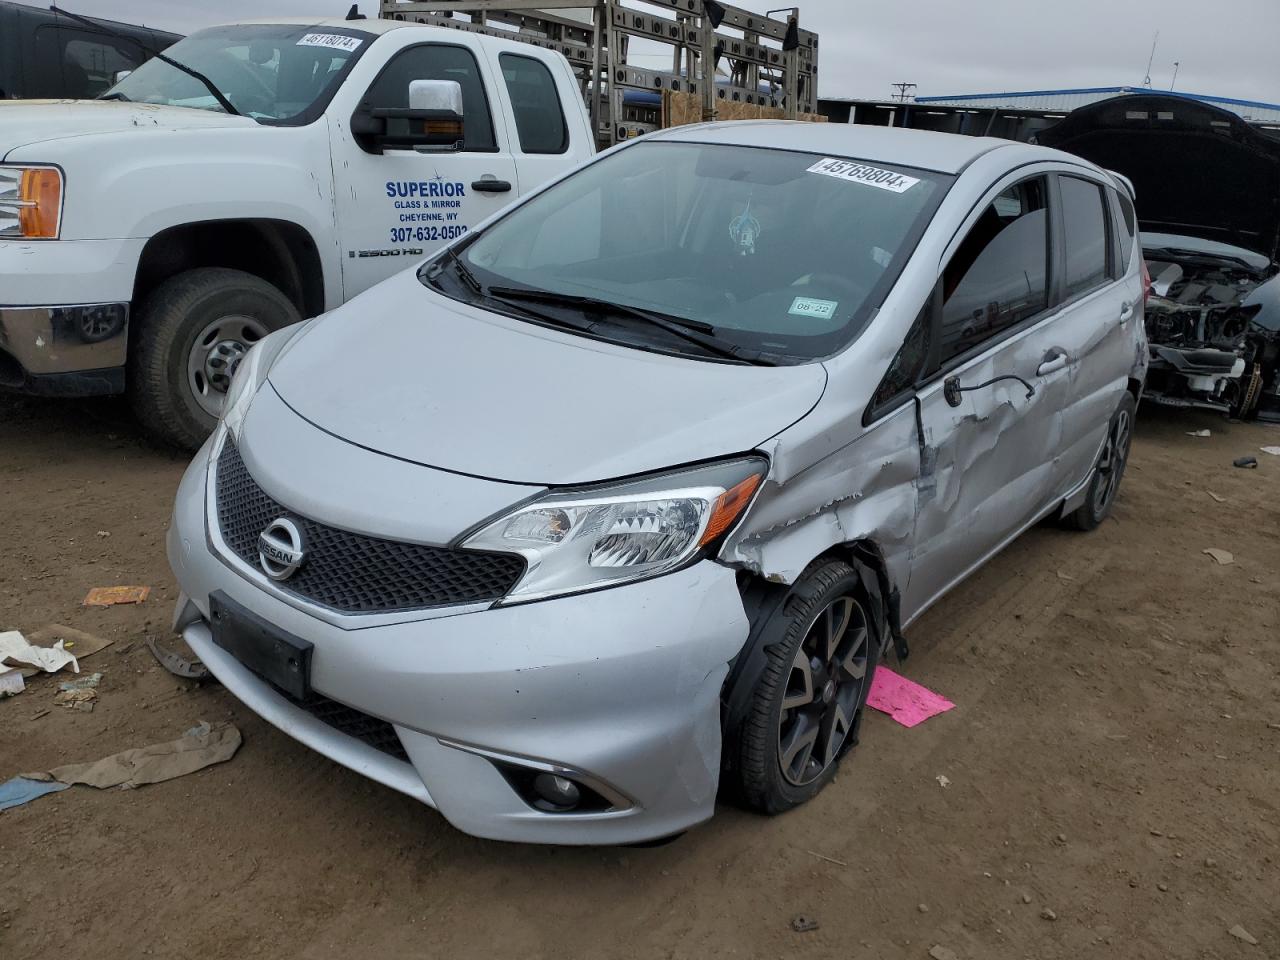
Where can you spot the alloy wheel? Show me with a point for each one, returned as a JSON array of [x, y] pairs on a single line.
[[823, 692], [214, 356], [1115, 452]]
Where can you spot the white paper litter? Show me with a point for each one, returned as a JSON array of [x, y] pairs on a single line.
[[11, 683], [1199, 433], [15, 649], [1274, 451]]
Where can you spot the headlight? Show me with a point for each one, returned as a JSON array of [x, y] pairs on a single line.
[[601, 537], [252, 371], [30, 202]]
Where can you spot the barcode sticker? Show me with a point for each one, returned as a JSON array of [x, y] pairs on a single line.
[[861, 173], [334, 41]]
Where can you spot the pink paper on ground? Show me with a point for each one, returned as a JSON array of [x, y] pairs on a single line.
[[904, 700]]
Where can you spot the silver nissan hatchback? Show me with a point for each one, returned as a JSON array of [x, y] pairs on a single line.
[[613, 506]]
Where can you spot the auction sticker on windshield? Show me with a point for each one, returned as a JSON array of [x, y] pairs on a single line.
[[861, 173], [808, 307], [334, 41]]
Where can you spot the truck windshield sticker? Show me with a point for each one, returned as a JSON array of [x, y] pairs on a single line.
[[334, 41], [861, 173], [808, 307]]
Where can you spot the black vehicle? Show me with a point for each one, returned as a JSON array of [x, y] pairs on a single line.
[[45, 55], [1207, 188]]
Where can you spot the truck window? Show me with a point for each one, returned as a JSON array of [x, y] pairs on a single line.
[[539, 117], [437, 61], [80, 64]]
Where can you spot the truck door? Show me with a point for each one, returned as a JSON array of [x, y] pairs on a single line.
[[397, 207]]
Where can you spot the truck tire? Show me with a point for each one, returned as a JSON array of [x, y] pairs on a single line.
[[186, 341]]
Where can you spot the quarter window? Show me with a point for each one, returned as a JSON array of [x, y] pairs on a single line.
[[1085, 235], [907, 366], [539, 119], [1127, 230], [999, 275], [438, 62]]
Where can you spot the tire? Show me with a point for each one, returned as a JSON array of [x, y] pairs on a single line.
[[186, 341], [1108, 471], [772, 769]]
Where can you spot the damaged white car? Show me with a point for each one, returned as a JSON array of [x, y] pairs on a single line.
[[1208, 205], [614, 506]]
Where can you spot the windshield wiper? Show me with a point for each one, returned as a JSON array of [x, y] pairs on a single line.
[[98, 25], [692, 331]]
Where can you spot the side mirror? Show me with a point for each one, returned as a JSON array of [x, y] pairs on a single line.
[[120, 75], [432, 121]]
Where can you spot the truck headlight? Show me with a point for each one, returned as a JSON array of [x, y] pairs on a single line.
[[30, 202], [587, 539]]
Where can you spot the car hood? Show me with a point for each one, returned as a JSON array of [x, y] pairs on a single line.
[[24, 122], [1198, 170], [407, 372]]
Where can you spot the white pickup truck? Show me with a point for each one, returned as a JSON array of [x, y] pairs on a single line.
[[256, 174]]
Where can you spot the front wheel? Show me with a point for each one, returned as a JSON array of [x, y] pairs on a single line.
[[1108, 471], [822, 651], [187, 342]]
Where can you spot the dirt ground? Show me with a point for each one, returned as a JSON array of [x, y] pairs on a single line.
[[1114, 762]]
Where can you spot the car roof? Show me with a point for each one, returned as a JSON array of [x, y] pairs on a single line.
[[924, 149]]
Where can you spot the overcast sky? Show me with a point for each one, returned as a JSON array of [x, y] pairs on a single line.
[[1225, 47]]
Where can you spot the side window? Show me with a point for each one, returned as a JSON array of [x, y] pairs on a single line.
[[438, 62], [80, 64], [539, 118], [999, 275], [1085, 235], [907, 366], [1128, 228]]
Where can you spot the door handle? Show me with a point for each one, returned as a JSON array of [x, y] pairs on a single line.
[[1051, 364], [489, 185], [1126, 313]]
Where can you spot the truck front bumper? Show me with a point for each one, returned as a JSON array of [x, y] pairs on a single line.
[[76, 350], [64, 314]]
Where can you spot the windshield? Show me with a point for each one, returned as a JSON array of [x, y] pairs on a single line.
[[271, 72], [782, 253]]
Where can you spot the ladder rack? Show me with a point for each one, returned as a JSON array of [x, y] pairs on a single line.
[[770, 65]]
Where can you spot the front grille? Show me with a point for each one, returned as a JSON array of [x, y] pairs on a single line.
[[351, 572], [370, 730]]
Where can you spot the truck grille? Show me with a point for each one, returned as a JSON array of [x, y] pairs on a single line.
[[351, 572]]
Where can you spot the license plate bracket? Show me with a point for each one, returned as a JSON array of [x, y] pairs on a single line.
[[275, 655]]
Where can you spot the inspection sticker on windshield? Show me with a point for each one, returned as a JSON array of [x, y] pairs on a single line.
[[807, 307], [861, 173], [334, 41]]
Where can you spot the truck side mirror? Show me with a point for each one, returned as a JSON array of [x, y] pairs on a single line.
[[432, 121], [120, 75]]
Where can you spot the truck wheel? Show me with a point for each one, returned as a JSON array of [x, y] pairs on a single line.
[[822, 647], [1108, 471], [189, 336]]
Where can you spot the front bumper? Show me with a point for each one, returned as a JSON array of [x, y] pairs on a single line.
[[64, 311], [76, 350], [620, 685]]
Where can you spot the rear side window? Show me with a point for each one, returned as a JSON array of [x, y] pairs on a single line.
[[539, 118], [437, 61], [1085, 235], [999, 275], [1128, 227]]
